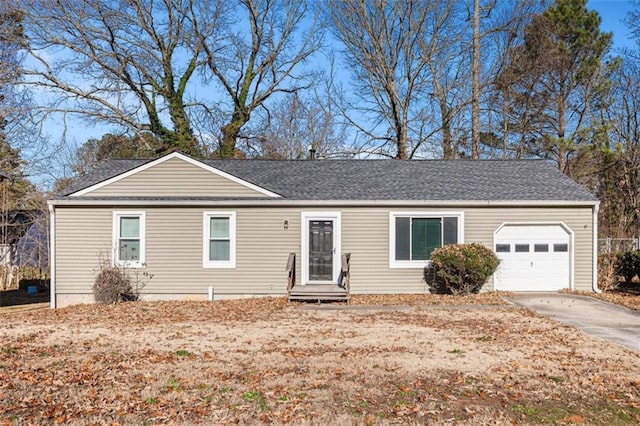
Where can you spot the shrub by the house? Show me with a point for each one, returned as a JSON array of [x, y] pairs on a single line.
[[608, 270], [112, 285], [628, 265], [461, 268]]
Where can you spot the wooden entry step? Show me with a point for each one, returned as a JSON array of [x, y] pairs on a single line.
[[319, 292]]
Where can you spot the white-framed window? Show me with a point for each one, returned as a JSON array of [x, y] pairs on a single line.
[[219, 239], [414, 235], [129, 238]]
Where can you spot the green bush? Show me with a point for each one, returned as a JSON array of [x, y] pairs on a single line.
[[461, 268], [629, 265], [112, 286]]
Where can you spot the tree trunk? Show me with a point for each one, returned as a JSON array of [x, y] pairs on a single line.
[[230, 133], [475, 88], [182, 134], [401, 133]]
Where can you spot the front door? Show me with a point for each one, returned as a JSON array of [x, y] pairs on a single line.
[[321, 250], [320, 247]]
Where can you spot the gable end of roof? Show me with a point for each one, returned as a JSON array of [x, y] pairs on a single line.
[[147, 164]]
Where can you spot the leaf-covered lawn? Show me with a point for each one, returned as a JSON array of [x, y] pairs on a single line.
[[433, 360], [629, 299]]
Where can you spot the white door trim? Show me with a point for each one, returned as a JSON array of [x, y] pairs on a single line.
[[334, 216], [563, 226]]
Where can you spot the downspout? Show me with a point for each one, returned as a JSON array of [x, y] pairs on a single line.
[[596, 208], [52, 254]]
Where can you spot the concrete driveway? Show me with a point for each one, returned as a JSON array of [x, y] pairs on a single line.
[[598, 318]]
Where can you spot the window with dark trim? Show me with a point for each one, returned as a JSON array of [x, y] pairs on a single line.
[[416, 237]]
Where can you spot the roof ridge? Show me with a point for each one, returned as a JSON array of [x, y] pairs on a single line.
[[380, 160]]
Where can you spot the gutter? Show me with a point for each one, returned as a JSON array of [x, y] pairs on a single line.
[[52, 254], [270, 202], [596, 208]]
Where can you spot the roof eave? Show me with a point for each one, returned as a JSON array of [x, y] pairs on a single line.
[[279, 202]]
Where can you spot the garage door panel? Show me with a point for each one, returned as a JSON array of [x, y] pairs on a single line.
[[533, 258]]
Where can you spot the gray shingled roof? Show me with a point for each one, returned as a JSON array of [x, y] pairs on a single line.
[[439, 180]]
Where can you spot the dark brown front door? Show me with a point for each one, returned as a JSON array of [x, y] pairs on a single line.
[[321, 250]]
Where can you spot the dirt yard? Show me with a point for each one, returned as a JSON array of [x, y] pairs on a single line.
[[409, 360]]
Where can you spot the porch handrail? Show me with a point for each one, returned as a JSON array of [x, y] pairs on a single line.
[[291, 272], [345, 271]]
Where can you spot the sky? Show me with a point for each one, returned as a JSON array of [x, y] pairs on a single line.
[[613, 13]]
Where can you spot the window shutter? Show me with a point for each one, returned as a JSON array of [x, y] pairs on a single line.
[[403, 241]]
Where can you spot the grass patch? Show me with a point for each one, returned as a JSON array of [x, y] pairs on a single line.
[[529, 411], [256, 397], [173, 384]]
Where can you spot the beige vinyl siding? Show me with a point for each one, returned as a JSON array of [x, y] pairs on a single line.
[[174, 239], [82, 240], [174, 247], [176, 178]]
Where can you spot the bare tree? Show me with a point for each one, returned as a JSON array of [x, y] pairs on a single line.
[[382, 41], [414, 76], [294, 126], [123, 62], [615, 168], [260, 57], [131, 63], [445, 52]]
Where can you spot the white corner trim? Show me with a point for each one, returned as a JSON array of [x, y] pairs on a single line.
[[305, 217], [418, 264], [182, 157], [206, 263], [141, 262], [594, 243], [52, 255]]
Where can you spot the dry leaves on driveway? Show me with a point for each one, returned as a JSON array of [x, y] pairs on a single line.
[[268, 361]]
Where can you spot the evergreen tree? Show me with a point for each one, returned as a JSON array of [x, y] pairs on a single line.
[[11, 163], [18, 187], [554, 81]]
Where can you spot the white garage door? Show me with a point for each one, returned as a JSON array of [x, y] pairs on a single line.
[[533, 258]]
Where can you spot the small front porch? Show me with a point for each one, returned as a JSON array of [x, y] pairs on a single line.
[[319, 292]]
